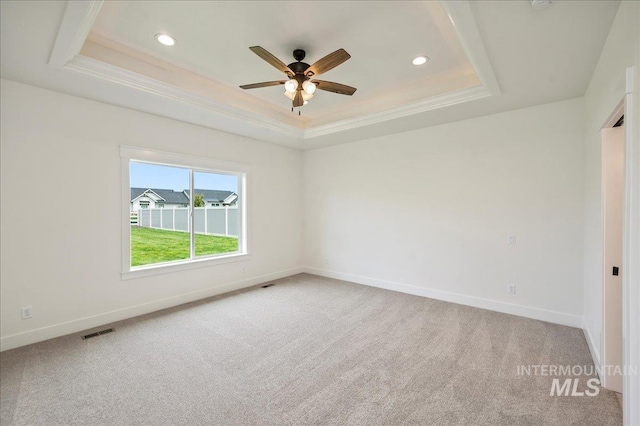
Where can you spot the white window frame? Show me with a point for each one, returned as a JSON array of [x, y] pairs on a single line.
[[194, 164]]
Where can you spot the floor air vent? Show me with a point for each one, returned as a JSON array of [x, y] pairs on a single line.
[[268, 285], [98, 333]]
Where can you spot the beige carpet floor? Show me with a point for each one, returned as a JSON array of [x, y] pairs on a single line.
[[306, 351]]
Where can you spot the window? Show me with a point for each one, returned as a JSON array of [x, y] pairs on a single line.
[[191, 232]]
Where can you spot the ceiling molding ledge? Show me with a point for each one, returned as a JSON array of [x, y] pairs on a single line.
[[464, 22], [429, 104], [79, 17], [114, 74]]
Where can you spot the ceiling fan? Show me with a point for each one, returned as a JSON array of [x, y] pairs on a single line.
[[299, 87]]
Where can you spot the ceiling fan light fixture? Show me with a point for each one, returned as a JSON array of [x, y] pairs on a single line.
[[165, 39], [309, 87], [298, 87], [420, 60], [290, 86]]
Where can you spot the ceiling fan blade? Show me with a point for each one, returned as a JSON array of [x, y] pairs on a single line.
[[275, 62], [298, 101], [264, 84], [327, 63], [330, 86]]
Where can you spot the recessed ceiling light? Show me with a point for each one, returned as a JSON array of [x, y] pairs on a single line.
[[167, 40], [419, 60]]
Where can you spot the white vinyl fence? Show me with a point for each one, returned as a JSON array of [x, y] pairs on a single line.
[[221, 221]]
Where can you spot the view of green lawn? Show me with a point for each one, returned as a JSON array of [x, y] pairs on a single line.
[[155, 245]]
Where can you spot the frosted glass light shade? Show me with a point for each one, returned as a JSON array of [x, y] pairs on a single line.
[[309, 87], [291, 86]]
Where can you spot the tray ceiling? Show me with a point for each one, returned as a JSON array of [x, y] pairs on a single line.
[[213, 40], [106, 51]]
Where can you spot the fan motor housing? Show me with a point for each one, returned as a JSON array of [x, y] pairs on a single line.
[[299, 54], [298, 67]]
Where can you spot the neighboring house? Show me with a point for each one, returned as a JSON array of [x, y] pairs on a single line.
[[215, 198], [144, 198]]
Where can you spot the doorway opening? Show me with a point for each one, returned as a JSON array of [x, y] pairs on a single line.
[[613, 193]]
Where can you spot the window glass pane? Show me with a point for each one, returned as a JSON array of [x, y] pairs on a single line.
[[159, 218], [216, 215]]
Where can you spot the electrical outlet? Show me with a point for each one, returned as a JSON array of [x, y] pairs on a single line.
[[512, 240], [511, 289], [27, 312]]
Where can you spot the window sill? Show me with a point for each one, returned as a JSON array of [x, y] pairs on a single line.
[[183, 265]]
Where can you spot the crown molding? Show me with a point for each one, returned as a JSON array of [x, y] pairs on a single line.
[[464, 23], [78, 19], [111, 73], [429, 104], [122, 56]]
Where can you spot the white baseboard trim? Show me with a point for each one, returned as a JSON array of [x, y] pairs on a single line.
[[74, 326], [593, 344], [477, 302]]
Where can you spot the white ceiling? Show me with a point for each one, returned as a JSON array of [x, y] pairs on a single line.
[[537, 56]]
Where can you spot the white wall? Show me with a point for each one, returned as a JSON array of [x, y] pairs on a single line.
[[430, 211], [606, 89], [66, 264]]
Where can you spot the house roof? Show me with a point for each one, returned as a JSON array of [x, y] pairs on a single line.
[[181, 197], [168, 195], [214, 195]]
